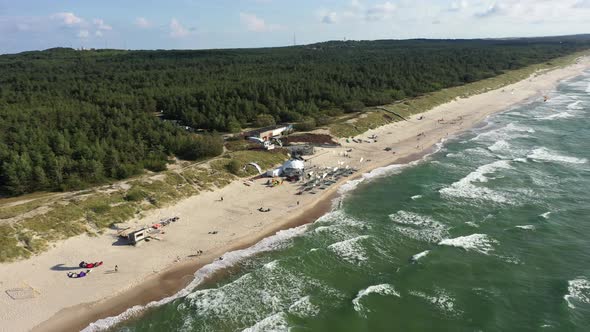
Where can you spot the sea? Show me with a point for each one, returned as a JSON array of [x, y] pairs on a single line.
[[491, 232]]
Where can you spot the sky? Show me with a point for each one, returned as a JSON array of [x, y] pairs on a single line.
[[202, 24]]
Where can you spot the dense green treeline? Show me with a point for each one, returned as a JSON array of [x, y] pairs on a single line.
[[72, 118]]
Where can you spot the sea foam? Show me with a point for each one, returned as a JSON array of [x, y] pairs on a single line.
[[499, 146], [275, 323], [419, 227], [350, 250], [526, 227], [419, 256], [442, 301], [304, 308], [376, 173], [544, 154], [509, 131], [578, 291], [545, 215], [465, 188], [475, 242], [383, 289]]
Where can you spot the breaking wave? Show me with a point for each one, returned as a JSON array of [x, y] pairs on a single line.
[[419, 256], [578, 292], [465, 187], [304, 308], [275, 323], [526, 227], [419, 227], [509, 131], [351, 250], [383, 289], [545, 215], [475, 242], [544, 154], [499, 146]]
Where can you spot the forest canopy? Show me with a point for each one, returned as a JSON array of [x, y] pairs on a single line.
[[70, 118]]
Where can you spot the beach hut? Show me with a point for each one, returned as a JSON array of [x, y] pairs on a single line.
[[135, 237]]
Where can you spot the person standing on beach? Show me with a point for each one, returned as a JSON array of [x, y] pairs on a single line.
[[116, 268]]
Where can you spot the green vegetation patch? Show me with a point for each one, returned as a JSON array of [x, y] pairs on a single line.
[[240, 160], [359, 125]]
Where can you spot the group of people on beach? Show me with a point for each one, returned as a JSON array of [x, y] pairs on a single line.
[[88, 267]]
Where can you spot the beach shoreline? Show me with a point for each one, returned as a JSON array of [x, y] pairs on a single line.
[[168, 276]]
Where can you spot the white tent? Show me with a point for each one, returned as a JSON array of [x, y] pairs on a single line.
[[274, 172], [293, 167]]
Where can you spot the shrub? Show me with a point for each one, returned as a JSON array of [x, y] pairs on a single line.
[[234, 167], [135, 195]]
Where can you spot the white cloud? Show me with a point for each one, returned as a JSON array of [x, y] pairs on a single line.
[[459, 5], [98, 33], [256, 24], [83, 34], [330, 18], [357, 11], [100, 25], [536, 10], [67, 18], [582, 4], [381, 11], [142, 22], [177, 30]]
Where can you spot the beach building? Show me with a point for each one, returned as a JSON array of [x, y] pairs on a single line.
[[134, 237], [267, 133]]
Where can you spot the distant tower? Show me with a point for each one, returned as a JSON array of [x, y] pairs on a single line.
[[294, 39]]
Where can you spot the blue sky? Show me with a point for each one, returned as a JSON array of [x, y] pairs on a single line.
[[199, 24]]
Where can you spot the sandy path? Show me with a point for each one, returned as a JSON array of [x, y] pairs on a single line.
[[165, 266]]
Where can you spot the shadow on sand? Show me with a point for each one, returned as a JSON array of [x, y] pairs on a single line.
[[121, 242], [61, 267]]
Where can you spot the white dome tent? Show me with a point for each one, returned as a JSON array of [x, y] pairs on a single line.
[[293, 168]]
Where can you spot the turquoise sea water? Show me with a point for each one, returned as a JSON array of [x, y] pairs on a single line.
[[490, 233]]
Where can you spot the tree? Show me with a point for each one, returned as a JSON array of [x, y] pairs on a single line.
[[264, 120], [353, 106], [307, 124], [234, 126]]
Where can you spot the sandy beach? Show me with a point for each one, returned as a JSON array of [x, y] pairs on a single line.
[[215, 226]]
